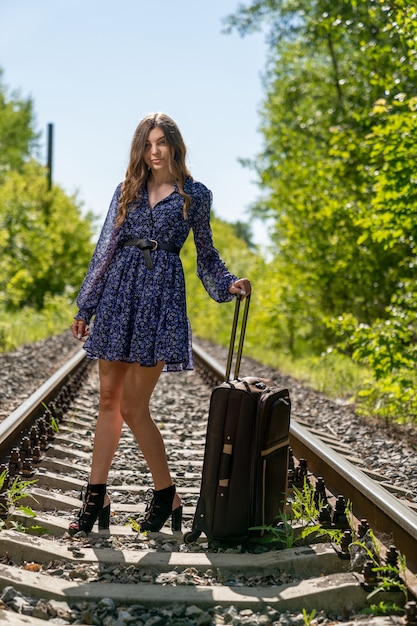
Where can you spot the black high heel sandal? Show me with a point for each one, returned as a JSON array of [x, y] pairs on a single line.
[[92, 510], [159, 509]]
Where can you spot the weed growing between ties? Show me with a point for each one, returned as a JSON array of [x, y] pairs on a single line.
[[382, 609], [134, 525], [308, 617], [299, 524], [14, 489], [53, 421], [388, 577], [10, 494]]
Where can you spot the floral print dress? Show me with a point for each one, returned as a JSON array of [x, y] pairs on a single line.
[[139, 313]]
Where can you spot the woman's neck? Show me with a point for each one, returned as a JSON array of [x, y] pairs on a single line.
[[159, 180]]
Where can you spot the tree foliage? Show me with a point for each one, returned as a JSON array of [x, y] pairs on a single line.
[[18, 137], [209, 319], [45, 242], [339, 172]]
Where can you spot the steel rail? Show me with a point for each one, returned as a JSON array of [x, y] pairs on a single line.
[[19, 420], [384, 512]]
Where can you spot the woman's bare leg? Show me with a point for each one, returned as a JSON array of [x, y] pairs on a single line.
[[109, 421], [138, 385]]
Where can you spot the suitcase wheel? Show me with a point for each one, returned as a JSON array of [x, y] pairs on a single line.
[[191, 536]]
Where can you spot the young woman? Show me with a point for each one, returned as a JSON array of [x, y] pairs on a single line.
[[135, 289]]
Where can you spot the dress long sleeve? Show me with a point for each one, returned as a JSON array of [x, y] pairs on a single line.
[[92, 286], [211, 270]]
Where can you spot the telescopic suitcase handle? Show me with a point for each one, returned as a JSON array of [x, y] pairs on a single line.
[[233, 338]]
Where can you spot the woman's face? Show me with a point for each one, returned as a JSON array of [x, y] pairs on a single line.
[[157, 152]]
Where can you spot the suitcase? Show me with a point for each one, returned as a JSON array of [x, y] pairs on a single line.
[[244, 476]]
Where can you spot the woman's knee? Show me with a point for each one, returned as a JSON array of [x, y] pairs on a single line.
[[138, 386], [109, 399], [134, 413], [111, 382]]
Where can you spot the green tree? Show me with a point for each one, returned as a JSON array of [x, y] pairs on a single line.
[[209, 319], [45, 243], [243, 231], [18, 137], [339, 174], [387, 345], [329, 62]]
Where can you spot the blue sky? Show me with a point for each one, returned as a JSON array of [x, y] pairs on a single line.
[[94, 68]]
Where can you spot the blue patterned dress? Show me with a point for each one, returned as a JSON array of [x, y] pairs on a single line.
[[140, 314]]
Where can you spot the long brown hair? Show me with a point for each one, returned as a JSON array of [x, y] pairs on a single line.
[[137, 170]]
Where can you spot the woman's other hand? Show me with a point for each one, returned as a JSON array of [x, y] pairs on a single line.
[[241, 287], [79, 329]]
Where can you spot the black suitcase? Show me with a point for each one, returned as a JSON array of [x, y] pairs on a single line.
[[244, 477]]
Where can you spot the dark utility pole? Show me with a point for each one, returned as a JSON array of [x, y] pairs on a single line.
[[50, 151]]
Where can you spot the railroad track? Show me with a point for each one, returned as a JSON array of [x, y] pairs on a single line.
[[160, 569]]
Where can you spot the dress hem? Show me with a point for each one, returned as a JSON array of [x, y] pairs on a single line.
[[168, 367]]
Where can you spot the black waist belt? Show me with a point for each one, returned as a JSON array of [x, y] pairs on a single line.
[[150, 245]]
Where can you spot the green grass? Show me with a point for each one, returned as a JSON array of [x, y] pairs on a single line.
[[332, 374], [29, 325]]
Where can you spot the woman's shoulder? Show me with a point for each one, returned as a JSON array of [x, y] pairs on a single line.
[[115, 198], [196, 189], [117, 192]]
